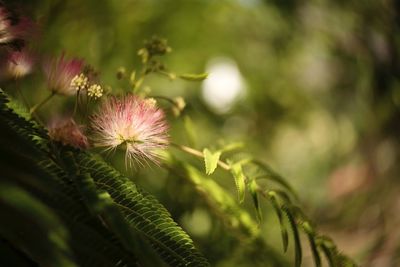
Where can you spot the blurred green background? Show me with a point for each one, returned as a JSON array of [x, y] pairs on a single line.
[[311, 87]]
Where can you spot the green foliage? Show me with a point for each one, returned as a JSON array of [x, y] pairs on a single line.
[[115, 207], [34, 228], [220, 202], [91, 215], [211, 160]]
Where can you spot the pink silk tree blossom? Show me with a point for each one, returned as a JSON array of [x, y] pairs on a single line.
[[60, 72], [14, 29], [133, 123], [19, 63]]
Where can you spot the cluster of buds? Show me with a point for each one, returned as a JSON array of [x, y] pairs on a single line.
[[154, 47], [95, 91], [81, 83]]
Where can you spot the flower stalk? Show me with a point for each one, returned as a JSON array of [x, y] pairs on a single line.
[[199, 154], [40, 104]]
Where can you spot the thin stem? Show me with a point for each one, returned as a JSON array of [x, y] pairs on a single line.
[[141, 77], [76, 103], [199, 154], [169, 100], [21, 94], [39, 105]]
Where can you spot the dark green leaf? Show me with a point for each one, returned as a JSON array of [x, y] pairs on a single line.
[[296, 236], [34, 228]]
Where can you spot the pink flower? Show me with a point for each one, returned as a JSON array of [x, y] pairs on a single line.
[[60, 72], [132, 122], [14, 30], [19, 63], [68, 132]]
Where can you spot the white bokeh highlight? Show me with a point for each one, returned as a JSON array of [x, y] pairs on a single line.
[[224, 85]]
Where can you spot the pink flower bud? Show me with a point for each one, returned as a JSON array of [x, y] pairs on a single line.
[[68, 132]]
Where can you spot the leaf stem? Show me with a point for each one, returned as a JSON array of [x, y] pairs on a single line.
[[199, 154], [39, 105]]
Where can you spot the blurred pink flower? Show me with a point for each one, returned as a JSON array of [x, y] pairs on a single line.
[[14, 29], [60, 72], [132, 122], [66, 131], [19, 63]]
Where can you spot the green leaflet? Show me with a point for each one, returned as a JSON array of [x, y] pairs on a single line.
[[308, 229], [296, 236], [211, 160], [278, 211], [221, 203], [34, 228], [253, 187], [334, 258], [240, 180], [193, 77]]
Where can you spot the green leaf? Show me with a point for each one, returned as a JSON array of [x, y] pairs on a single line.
[[220, 202], [34, 228], [100, 203], [193, 77], [238, 175], [253, 189], [328, 248], [308, 229], [144, 213], [296, 236], [334, 258], [278, 211], [211, 160]]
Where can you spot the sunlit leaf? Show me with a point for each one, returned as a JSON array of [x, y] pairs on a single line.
[[193, 77], [211, 160], [253, 187], [238, 175]]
